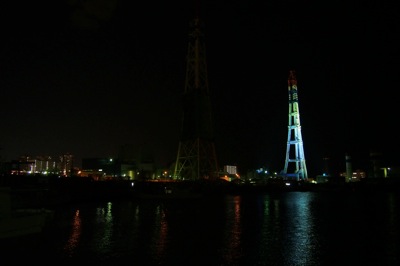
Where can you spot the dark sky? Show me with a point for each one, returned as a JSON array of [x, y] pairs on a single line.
[[86, 77]]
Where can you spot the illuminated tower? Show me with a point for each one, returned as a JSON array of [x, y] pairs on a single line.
[[295, 163], [196, 157]]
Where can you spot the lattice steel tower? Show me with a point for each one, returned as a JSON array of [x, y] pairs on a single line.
[[295, 163], [196, 157]]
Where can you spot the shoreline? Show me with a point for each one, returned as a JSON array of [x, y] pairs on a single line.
[[75, 190]]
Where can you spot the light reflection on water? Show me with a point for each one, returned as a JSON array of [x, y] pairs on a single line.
[[160, 237], [103, 229], [294, 228], [299, 241], [232, 249], [266, 229], [73, 240]]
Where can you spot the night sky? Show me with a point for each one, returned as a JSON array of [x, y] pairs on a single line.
[[87, 77]]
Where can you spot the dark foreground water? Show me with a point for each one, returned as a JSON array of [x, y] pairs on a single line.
[[290, 228]]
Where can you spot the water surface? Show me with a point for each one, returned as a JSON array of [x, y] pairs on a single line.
[[289, 228]]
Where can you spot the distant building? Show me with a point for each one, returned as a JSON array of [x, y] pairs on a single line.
[[100, 168], [66, 165], [112, 169], [230, 169], [357, 175], [229, 173], [39, 165]]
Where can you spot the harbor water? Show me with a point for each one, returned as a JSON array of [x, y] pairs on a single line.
[[287, 228]]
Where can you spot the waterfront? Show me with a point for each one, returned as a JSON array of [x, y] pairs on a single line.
[[284, 228]]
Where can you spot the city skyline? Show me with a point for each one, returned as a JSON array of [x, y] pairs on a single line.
[[89, 78]]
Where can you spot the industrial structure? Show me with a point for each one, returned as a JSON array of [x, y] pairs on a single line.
[[196, 158], [42, 165], [295, 162]]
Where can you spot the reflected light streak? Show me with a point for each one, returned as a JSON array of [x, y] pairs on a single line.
[[271, 229], [271, 220], [74, 238], [104, 217], [160, 235], [299, 238], [234, 239]]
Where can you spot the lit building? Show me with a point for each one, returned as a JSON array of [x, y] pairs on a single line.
[[230, 169], [39, 165]]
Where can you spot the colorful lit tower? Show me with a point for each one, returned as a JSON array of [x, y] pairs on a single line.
[[295, 163], [196, 157]]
